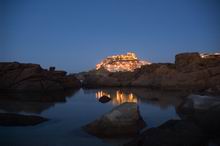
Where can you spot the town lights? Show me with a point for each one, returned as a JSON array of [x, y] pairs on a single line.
[[123, 62]]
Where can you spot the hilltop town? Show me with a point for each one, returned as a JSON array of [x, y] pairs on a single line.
[[123, 63]]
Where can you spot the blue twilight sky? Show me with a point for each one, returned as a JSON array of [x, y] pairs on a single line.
[[74, 35]]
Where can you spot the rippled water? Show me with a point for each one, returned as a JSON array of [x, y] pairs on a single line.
[[70, 111]]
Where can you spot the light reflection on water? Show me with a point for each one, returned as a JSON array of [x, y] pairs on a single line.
[[118, 97], [68, 113]]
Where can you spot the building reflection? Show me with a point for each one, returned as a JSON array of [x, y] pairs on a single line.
[[100, 94], [117, 97]]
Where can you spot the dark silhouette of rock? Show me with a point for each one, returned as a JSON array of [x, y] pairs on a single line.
[[202, 110], [171, 133], [16, 76], [10, 119], [123, 121], [104, 99]]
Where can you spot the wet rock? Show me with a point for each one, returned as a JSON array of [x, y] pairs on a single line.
[[171, 133], [16, 76], [104, 99], [123, 121], [10, 119], [202, 110]]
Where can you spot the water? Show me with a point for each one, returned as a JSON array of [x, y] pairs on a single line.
[[68, 112]]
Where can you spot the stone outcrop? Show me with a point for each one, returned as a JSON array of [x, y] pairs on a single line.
[[10, 119], [191, 71], [171, 133], [123, 121], [103, 78], [202, 110], [16, 76]]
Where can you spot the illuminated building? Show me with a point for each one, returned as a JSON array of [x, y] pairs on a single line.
[[210, 55], [123, 63]]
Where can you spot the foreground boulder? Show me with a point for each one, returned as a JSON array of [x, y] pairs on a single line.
[[16, 76], [204, 111], [171, 133], [123, 121], [10, 119]]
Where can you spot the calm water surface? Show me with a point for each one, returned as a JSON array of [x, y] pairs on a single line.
[[70, 111]]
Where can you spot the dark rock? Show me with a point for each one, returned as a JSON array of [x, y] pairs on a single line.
[[123, 121], [104, 78], [10, 119], [16, 76], [171, 133], [184, 59], [204, 111], [104, 99]]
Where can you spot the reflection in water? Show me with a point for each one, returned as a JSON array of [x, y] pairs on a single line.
[[100, 94], [117, 97], [31, 102], [156, 107], [163, 99]]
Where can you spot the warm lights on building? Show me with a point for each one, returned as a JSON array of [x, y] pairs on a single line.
[[209, 55], [124, 62]]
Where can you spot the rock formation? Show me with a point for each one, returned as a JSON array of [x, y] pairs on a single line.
[[16, 76], [171, 133], [123, 121], [191, 71], [202, 110]]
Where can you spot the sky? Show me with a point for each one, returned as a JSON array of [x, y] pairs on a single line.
[[75, 35]]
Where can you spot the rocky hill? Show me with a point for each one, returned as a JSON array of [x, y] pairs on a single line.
[[191, 71]]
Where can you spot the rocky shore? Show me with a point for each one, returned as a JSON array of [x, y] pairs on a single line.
[[198, 125], [16, 76], [191, 71]]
